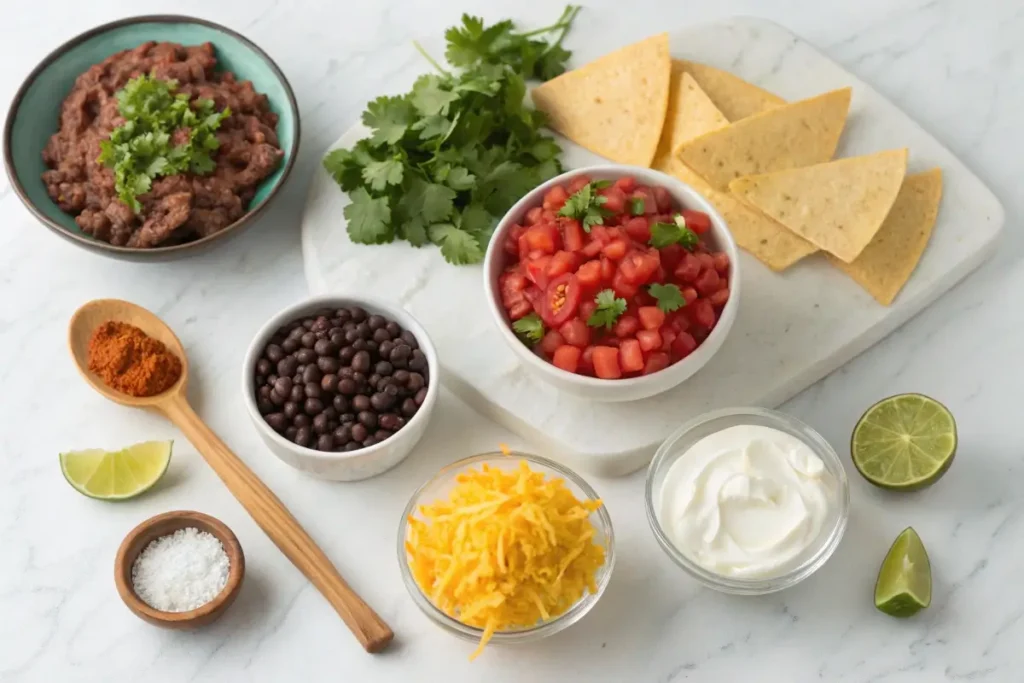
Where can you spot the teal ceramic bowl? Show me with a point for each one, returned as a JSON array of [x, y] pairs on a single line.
[[34, 116]]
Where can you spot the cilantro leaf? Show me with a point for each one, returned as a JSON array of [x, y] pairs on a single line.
[[390, 118], [432, 201], [529, 328], [457, 246], [380, 174], [664, 234], [430, 97], [432, 126], [669, 297], [476, 220], [586, 206], [636, 206], [609, 308], [368, 218], [459, 178], [415, 231]]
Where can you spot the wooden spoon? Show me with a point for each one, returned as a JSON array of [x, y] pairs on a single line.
[[264, 507]]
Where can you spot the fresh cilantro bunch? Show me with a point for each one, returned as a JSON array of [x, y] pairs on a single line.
[[140, 149], [446, 160]]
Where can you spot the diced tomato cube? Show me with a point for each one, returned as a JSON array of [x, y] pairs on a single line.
[[606, 362], [678, 321], [555, 198], [592, 248], [623, 287], [721, 260], [567, 358], [656, 361], [671, 256], [542, 237], [683, 345], [561, 262], [533, 215], [663, 199], [616, 249], [520, 309], [707, 283], [589, 275], [639, 266], [690, 294], [698, 221], [702, 313], [706, 260], [650, 340], [607, 270], [572, 234], [551, 341], [631, 358], [645, 194], [638, 229], [512, 281], [719, 298], [548, 217], [599, 233], [626, 183], [586, 365], [575, 332], [587, 309], [537, 270], [626, 326], [688, 269], [644, 298], [614, 199], [668, 335], [577, 183], [651, 317]]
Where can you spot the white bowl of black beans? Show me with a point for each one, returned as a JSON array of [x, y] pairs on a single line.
[[341, 387]]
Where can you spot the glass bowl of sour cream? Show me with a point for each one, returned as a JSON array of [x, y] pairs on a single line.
[[747, 500]]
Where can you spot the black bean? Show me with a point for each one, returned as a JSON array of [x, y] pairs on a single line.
[[297, 377], [296, 332], [311, 374], [314, 406], [283, 386], [358, 313], [361, 361], [340, 403], [381, 401], [389, 421], [303, 436], [361, 403], [276, 421], [400, 354], [369, 441], [290, 433], [308, 322], [337, 338], [302, 420], [393, 328], [347, 386], [306, 356], [381, 434], [298, 393], [324, 347], [265, 405], [347, 418], [291, 409], [277, 399], [384, 368], [410, 339], [360, 380], [364, 331], [322, 324], [384, 348], [420, 396], [343, 314], [264, 392], [286, 366], [375, 322], [342, 435], [418, 361], [325, 443], [290, 345], [271, 379], [353, 446], [329, 383], [263, 366], [351, 336], [308, 339], [368, 419], [312, 390], [380, 335], [416, 381], [361, 345], [359, 432], [320, 424], [346, 355], [328, 365], [274, 353], [401, 376], [346, 372], [332, 425]]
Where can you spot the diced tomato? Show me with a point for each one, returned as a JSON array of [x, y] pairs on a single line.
[[688, 269], [520, 309], [600, 234], [651, 317], [616, 249], [706, 261], [547, 217], [702, 313], [575, 332], [663, 199], [555, 198], [562, 262], [656, 361], [698, 221], [592, 249], [645, 194], [626, 326], [668, 335], [626, 183], [707, 283], [607, 270], [550, 342], [719, 298], [567, 358], [644, 298], [606, 362], [631, 358], [678, 321], [623, 287], [683, 345], [587, 309], [650, 340], [533, 215], [690, 294], [638, 229], [639, 266], [577, 183], [671, 256], [543, 237], [537, 270], [614, 199], [721, 260], [561, 299], [586, 365], [572, 234], [589, 275], [511, 281]]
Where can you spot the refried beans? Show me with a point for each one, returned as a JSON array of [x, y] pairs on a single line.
[[178, 208]]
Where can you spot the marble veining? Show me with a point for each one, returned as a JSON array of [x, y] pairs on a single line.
[[954, 66]]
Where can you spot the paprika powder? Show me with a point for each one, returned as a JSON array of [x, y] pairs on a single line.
[[129, 360]]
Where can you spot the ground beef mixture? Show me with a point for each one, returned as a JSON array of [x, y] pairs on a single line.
[[178, 208]]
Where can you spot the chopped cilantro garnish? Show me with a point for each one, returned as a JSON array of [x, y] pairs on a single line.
[[669, 297], [443, 162], [609, 308], [530, 328], [141, 150], [586, 206], [636, 206], [664, 234]]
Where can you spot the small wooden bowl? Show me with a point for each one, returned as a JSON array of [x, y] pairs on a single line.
[[161, 525]]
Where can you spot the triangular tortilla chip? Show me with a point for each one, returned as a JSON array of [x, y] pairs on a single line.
[[769, 242], [793, 135], [733, 96], [691, 113], [837, 206], [886, 264], [615, 106]]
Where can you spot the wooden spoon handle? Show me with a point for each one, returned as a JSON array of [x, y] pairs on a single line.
[[283, 529]]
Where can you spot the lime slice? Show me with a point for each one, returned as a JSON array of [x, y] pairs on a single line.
[[116, 475], [904, 585], [904, 442]]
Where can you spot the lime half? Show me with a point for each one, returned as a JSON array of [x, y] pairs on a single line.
[[904, 442], [904, 585], [116, 475]]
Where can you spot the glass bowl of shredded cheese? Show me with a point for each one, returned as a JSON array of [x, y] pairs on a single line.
[[505, 548]]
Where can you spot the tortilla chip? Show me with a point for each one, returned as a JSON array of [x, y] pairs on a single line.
[[736, 98], [838, 206], [614, 106], [793, 135], [691, 113], [769, 242], [887, 262]]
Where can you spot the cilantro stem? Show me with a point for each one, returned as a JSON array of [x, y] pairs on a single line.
[[563, 23], [433, 62]]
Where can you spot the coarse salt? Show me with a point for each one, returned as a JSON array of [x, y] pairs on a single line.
[[181, 571]]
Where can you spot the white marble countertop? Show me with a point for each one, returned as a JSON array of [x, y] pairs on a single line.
[[954, 65]]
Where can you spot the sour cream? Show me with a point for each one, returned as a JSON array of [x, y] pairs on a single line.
[[747, 501]]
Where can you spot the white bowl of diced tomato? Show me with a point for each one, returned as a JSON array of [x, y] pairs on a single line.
[[613, 283]]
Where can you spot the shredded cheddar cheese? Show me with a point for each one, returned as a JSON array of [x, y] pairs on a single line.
[[508, 549]]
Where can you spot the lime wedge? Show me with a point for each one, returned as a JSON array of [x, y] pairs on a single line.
[[116, 475], [904, 585], [904, 442]]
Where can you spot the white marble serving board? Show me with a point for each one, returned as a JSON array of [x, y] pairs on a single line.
[[792, 329]]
